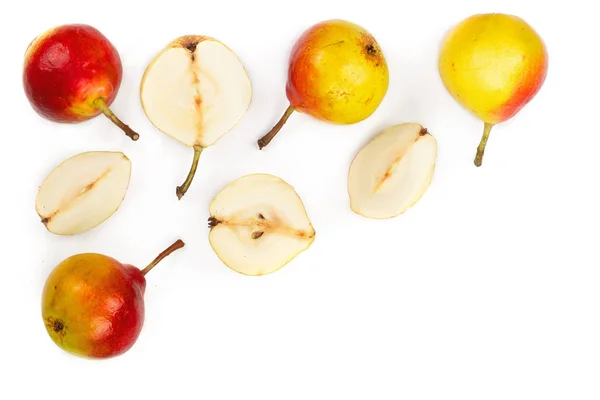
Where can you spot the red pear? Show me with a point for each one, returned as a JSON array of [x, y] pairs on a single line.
[[93, 305], [72, 73]]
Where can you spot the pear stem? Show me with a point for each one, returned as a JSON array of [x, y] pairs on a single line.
[[175, 246], [487, 128], [181, 190], [265, 140], [100, 104]]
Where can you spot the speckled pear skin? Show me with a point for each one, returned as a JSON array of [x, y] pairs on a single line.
[[493, 65]]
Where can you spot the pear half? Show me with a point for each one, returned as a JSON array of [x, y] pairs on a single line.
[[83, 191], [391, 173], [195, 90], [258, 224]]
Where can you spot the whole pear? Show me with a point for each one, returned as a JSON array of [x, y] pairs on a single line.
[[93, 305], [493, 65], [72, 73], [337, 73]]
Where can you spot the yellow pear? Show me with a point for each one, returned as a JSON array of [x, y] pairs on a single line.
[[337, 72], [493, 65]]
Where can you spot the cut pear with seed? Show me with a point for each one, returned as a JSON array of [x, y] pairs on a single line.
[[83, 191], [195, 90], [258, 224], [392, 172]]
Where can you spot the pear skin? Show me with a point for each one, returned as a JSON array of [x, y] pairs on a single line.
[[72, 73], [493, 65], [337, 73], [93, 305]]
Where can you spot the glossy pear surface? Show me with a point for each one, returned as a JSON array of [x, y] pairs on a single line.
[[93, 306], [493, 65], [337, 73], [72, 73]]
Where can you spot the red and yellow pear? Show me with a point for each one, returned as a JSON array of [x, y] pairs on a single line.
[[493, 65], [93, 305], [337, 73], [72, 73]]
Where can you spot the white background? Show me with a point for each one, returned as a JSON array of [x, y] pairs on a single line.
[[489, 288]]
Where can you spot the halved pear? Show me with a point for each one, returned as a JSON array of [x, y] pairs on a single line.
[[83, 191], [195, 90], [391, 173], [258, 224]]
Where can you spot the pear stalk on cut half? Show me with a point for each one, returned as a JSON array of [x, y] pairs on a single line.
[[83, 191], [258, 224], [392, 172], [195, 90]]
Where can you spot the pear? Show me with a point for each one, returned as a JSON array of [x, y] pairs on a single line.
[[93, 305], [83, 191], [493, 65], [195, 90], [258, 224], [337, 73], [72, 73], [392, 172]]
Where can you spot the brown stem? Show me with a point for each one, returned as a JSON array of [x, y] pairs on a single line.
[[100, 104], [175, 246], [481, 148], [265, 140], [181, 190]]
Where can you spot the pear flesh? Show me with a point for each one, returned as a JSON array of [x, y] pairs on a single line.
[[83, 191], [258, 224], [195, 90], [391, 173]]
